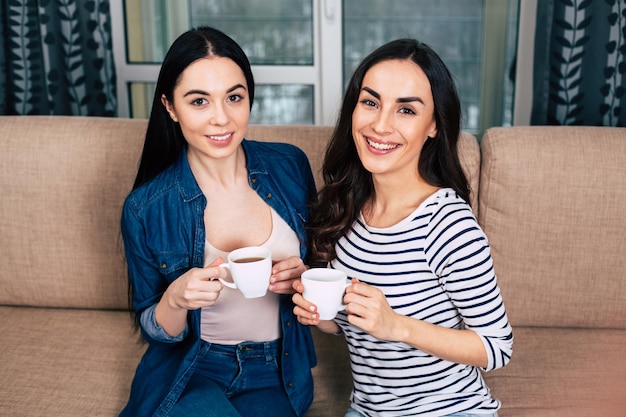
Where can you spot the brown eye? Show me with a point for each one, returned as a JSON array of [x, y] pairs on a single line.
[[198, 101]]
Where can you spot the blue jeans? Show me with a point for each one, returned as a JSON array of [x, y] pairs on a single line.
[[241, 380], [353, 413]]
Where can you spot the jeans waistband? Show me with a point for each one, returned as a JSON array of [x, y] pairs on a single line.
[[245, 349]]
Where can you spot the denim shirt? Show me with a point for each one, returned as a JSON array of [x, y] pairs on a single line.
[[164, 236]]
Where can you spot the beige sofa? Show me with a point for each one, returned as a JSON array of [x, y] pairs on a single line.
[[552, 201]]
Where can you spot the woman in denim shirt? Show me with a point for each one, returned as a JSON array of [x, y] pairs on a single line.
[[201, 191]]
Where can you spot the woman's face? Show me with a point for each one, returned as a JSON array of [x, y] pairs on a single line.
[[212, 106], [393, 117]]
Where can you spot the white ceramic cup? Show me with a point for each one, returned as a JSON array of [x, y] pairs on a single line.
[[251, 268], [325, 288]]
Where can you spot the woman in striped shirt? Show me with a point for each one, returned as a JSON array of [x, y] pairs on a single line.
[[424, 312]]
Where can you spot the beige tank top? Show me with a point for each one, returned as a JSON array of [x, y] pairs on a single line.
[[234, 319]]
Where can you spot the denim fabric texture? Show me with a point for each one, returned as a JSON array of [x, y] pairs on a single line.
[[233, 381], [163, 230]]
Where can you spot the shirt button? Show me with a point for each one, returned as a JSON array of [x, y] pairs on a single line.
[[269, 195], [290, 384], [163, 265], [253, 180], [286, 353]]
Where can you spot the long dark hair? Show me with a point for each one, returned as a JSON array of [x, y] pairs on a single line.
[[164, 140], [348, 185]]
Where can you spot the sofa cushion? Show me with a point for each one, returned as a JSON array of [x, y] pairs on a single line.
[[63, 362], [552, 203], [557, 372]]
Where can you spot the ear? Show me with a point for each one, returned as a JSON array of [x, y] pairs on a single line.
[[168, 106], [432, 132]]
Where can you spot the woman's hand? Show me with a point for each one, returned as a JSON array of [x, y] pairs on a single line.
[[369, 309], [306, 312], [196, 288], [284, 273]]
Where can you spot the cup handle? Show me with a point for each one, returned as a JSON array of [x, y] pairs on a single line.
[[226, 283], [343, 306]]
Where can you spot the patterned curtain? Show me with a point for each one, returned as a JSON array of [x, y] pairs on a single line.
[[56, 58], [580, 70]]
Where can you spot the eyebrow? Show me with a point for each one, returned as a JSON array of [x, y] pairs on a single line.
[[230, 90], [398, 100]]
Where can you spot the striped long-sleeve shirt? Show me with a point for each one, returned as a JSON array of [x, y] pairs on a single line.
[[435, 266]]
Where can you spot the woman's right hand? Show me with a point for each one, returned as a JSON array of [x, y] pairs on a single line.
[[196, 288], [306, 312]]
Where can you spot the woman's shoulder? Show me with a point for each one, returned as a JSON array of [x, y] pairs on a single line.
[[278, 149], [446, 202], [156, 188], [278, 157]]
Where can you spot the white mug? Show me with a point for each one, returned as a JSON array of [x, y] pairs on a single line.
[[251, 268], [325, 288]]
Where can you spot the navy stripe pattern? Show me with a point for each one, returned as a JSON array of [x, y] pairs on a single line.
[[434, 266]]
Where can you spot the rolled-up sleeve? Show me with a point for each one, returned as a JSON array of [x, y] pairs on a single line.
[[152, 329]]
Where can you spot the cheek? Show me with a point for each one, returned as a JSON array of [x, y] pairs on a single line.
[[359, 120]]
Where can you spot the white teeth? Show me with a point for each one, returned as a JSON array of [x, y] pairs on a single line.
[[381, 146], [223, 137]]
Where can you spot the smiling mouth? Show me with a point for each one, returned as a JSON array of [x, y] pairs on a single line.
[[381, 146], [220, 137]]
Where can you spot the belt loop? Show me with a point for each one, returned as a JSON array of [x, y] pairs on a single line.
[[267, 348]]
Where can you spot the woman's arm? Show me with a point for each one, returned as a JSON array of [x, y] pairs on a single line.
[[369, 310]]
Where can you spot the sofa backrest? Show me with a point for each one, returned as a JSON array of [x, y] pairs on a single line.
[[63, 180], [553, 205]]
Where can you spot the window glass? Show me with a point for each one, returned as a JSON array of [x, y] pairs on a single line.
[[278, 32], [304, 51], [141, 96], [452, 28], [283, 104]]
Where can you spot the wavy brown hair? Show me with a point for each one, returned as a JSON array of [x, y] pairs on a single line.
[[348, 185]]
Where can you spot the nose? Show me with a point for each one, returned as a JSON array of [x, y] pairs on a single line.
[[383, 121], [219, 116]]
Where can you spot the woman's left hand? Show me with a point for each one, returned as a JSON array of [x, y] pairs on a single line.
[[284, 273], [368, 308]]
